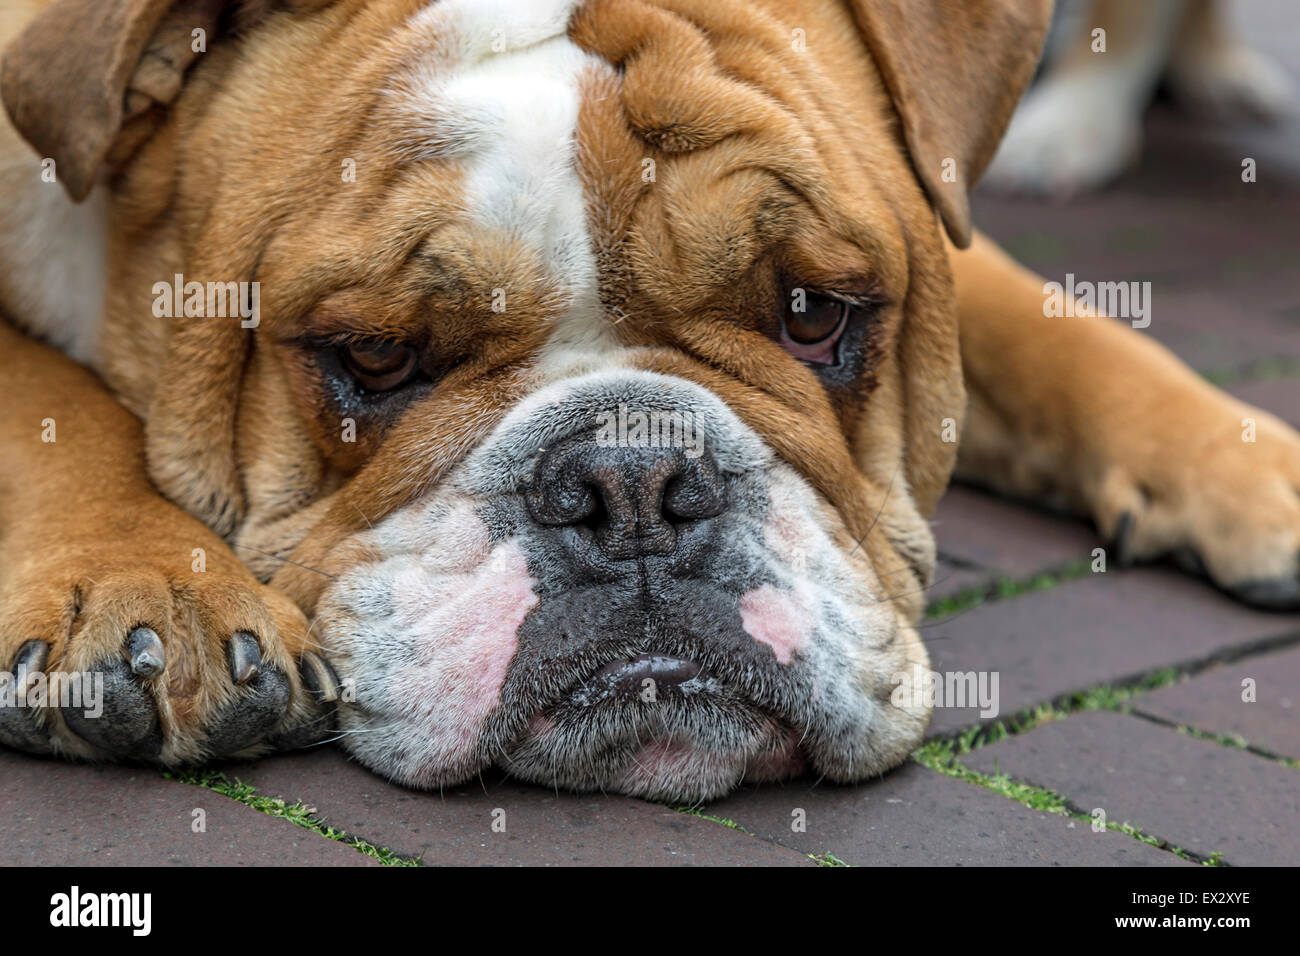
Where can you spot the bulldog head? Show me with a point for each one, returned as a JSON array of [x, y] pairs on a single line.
[[604, 353]]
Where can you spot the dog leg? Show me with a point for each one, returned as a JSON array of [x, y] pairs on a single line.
[[1081, 125], [1087, 413], [127, 628], [1215, 73]]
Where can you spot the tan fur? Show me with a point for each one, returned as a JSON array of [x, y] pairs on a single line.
[[1089, 413]]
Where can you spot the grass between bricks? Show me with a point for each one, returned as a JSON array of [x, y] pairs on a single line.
[[697, 812], [1236, 741], [821, 859], [299, 814], [1263, 370], [943, 755], [1005, 588]]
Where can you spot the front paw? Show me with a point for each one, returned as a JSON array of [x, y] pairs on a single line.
[[1219, 492], [130, 652], [1229, 81]]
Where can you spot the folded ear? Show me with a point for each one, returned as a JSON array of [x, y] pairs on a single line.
[[955, 71], [87, 80]]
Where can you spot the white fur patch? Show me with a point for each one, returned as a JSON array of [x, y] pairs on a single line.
[[502, 94], [53, 254]]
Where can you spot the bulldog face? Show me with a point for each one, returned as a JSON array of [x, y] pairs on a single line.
[[598, 391]]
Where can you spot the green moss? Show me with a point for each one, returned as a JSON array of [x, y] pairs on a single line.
[[1005, 588], [1238, 742], [696, 812], [1263, 370], [942, 756], [297, 813]]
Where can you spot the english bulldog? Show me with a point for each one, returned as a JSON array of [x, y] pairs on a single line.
[[562, 386]]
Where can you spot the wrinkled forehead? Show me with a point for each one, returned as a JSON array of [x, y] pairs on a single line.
[[595, 146], [495, 89]]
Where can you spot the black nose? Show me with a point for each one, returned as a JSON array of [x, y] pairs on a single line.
[[634, 499]]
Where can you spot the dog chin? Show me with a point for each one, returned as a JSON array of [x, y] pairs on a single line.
[[695, 751]]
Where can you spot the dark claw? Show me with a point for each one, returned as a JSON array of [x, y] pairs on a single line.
[[19, 727], [319, 677], [126, 721], [244, 657], [30, 659], [1121, 544], [250, 718], [322, 682], [148, 658]]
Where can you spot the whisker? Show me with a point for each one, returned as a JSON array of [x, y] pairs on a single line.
[[362, 513], [921, 590], [305, 567], [879, 512]]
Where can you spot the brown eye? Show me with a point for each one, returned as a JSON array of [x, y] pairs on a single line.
[[812, 325], [379, 366]]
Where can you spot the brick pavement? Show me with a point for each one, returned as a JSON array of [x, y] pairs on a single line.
[[1146, 669]]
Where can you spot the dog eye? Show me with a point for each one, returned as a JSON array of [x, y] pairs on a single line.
[[379, 366], [812, 326]]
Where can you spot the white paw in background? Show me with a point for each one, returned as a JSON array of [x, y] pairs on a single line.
[[1070, 134], [1231, 81]]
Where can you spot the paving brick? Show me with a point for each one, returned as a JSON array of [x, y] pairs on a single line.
[[63, 814], [918, 817], [1281, 396], [1213, 702], [1096, 629], [1008, 538], [1194, 793], [542, 827]]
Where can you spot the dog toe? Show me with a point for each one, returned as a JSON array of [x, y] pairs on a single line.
[[322, 684], [258, 709], [20, 725], [1278, 594], [125, 722]]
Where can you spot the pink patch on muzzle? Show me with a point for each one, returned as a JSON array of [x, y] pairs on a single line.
[[469, 626], [779, 619]]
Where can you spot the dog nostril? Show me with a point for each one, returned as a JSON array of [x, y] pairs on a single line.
[[695, 493], [597, 515], [632, 501]]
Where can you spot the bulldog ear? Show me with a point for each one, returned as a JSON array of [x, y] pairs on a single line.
[[86, 81], [955, 72]]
